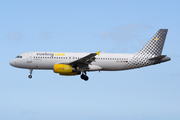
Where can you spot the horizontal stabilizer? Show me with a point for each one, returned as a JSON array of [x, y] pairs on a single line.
[[157, 58]]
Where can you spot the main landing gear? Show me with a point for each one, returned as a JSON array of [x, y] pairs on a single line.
[[84, 76], [30, 76]]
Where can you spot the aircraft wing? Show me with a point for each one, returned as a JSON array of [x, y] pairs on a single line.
[[85, 60]]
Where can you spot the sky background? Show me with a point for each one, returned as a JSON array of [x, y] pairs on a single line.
[[112, 26]]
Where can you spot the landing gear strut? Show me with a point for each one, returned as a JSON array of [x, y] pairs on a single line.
[[84, 76], [30, 76]]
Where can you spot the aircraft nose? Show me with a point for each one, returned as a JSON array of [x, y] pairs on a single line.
[[12, 62]]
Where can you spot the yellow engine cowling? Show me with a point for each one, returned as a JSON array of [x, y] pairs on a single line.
[[64, 69]]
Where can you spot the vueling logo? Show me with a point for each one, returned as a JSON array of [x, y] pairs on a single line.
[[51, 54], [45, 54]]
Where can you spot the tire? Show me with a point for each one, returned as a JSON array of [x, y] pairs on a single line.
[[30, 76], [82, 76], [86, 78]]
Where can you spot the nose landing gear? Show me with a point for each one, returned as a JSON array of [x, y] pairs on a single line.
[[30, 76], [84, 76]]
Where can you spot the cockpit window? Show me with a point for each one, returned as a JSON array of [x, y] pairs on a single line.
[[19, 56]]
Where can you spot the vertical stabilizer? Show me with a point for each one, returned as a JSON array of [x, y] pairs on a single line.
[[152, 49], [155, 45]]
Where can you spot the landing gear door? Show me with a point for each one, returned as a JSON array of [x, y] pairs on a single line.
[[29, 58]]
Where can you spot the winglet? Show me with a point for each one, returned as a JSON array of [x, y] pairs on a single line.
[[98, 52]]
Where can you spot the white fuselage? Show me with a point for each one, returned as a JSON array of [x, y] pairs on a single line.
[[77, 63], [46, 60]]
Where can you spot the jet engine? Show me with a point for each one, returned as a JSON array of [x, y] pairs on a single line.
[[64, 69]]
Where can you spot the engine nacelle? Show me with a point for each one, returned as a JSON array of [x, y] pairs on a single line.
[[64, 69]]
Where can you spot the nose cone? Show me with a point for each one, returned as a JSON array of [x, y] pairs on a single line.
[[12, 62]]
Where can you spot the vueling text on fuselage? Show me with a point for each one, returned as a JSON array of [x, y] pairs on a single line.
[[51, 54]]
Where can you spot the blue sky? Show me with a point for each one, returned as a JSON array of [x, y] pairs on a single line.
[[114, 26]]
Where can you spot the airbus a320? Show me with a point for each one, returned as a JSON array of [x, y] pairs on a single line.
[[70, 64]]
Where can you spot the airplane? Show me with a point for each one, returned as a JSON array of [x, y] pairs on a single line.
[[71, 64]]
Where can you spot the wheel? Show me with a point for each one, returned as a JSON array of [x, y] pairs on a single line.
[[30, 76], [82, 76], [86, 78]]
